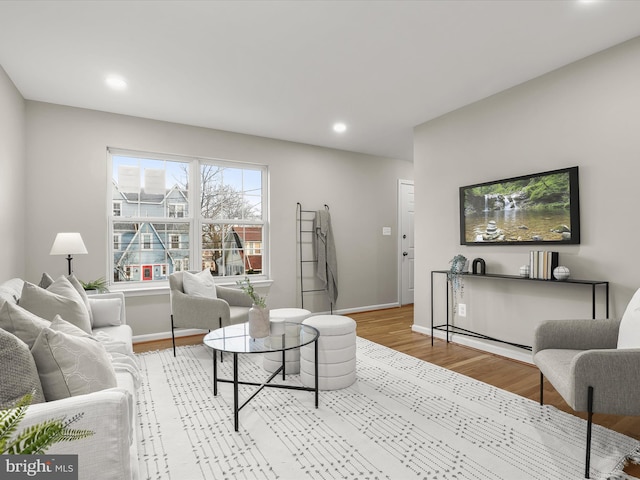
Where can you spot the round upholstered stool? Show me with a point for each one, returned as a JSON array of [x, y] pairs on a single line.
[[336, 353], [277, 316]]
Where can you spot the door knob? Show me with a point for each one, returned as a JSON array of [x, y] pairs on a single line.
[[404, 254]]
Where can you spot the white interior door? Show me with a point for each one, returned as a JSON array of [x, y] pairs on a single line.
[[406, 205]]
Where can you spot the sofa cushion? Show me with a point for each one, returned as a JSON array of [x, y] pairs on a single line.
[[61, 298], [18, 375], [115, 338], [69, 364], [21, 323], [629, 332], [199, 284]]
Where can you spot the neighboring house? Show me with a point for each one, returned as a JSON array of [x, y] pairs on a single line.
[[155, 249], [149, 250]]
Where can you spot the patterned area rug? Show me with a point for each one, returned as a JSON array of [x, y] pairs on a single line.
[[403, 419]]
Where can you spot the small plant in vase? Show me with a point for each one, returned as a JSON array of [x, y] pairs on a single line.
[[259, 325], [100, 285], [459, 264]]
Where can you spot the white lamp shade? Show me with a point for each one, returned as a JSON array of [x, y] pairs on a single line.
[[68, 243]]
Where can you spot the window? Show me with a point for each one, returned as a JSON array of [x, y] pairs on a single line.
[[146, 241], [176, 210], [160, 202]]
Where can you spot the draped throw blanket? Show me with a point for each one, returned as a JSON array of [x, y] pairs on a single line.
[[326, 254]]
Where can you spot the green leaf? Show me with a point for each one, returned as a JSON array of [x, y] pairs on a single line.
[[35, 439]]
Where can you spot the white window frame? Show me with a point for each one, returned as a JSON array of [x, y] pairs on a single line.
[[192, 215], [146, 238]]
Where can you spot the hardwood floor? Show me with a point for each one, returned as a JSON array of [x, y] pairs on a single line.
[[392, 328]]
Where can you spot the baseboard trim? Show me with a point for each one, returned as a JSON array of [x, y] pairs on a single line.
[[152, 337], [369, 308], [485, 345]]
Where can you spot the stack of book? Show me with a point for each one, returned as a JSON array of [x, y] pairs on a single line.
[[541, 264]]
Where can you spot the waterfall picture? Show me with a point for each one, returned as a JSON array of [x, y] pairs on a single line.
[[537, 208]]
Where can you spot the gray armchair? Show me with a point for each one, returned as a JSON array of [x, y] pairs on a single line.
[[581, 360], [231, 307]]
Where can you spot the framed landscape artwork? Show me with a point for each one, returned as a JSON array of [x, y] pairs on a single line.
[[537, 209]]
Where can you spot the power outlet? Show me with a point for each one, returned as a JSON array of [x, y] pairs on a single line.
[[462, 309]]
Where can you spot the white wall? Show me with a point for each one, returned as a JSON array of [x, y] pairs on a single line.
[[585, 114], [67, 192], [12, 179]]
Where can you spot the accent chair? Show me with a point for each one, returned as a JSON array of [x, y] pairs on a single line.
[[593, 364], [206, 308]]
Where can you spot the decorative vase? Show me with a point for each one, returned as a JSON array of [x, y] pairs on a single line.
[[561, 273], [479, 266], [259, 325]]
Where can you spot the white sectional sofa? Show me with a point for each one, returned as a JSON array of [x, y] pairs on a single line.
[[83, 368]]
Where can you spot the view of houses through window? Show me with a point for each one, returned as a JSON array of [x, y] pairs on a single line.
[[160, 204]]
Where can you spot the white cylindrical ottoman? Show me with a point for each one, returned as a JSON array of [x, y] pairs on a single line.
[[273, 360], [336, 353]]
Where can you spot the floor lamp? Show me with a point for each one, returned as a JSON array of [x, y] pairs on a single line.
[[68, 244]]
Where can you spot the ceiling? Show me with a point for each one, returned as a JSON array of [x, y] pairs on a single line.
[[290, 69]]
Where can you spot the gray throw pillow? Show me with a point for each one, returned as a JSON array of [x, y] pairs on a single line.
[[45, 280], [21, 323], [69, 364], [60, 298], [18, 375]]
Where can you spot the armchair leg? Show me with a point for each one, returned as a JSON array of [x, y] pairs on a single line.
[[589, 424], [173, 337], [220, 326], [541, 389]]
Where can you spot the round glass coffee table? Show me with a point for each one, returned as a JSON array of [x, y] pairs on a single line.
[[235, 339]]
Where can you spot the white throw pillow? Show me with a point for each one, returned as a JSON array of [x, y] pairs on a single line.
[[59, 324], [60, 298], [199, 284], [629, 333], [106, 311], [70, 365], [83, 294]]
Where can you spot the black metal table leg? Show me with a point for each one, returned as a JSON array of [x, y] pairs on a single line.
[[215, 374], [284, 368], [315, 345], [235, 392]]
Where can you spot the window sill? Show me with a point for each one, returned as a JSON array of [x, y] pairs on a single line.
[[162, 288]]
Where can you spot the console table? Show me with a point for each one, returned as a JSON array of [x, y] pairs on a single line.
[[450, 328]]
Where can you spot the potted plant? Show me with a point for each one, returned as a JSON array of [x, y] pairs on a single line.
[[99, 286], [36, 439], [259, 324], [458, 265]]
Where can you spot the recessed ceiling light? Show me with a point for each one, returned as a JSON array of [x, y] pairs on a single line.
[[116, 82], [339, 127]]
